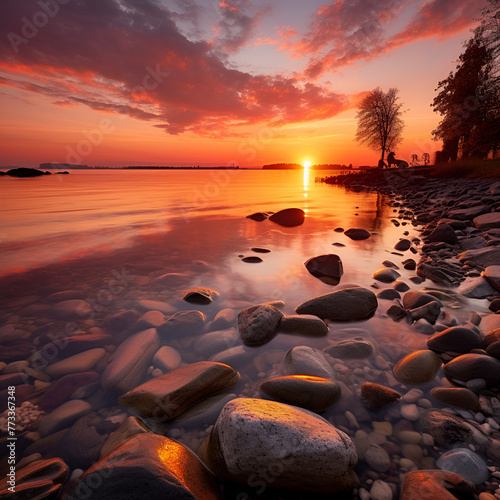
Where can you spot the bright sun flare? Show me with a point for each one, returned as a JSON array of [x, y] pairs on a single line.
[[307, 164]]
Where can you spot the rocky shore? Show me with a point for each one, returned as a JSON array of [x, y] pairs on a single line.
[[175, 391]]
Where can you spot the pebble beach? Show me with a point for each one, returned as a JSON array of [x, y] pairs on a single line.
[[153, 382]]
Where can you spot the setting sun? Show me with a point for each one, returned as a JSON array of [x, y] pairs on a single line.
[[307, 164]]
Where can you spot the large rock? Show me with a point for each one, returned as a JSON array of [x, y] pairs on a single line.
[[328, 268], [446, 428], [487, 221], [303, 324], [468, 213], [418, 368], [130, 361], [41, 479], [167, 396], [470, 366], [64, 415], [313, 393], [443, 233], [305, 360], [25, 172], [437, 485], [200, 295], [258, 324], [303, 450], [402, 245], [61, 390], [476, 288], [182, 323], [386, 275], [69, 346], [456, 339], [147, 466], [456, 396], [355, 348], [357, 233], [375, 396], [289, 217], [413, 299], [350, 304], [71, 309], [166, 359], [483, 257], [211, 343], [492, 275], [127, 429], [465, 463], [81, 362]]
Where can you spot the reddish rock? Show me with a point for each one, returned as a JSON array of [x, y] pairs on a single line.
[[436, 485], [376, 396], [69, 346], [61, 390]]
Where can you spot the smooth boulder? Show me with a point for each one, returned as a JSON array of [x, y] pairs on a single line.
[[357, 233], [147, 466], [328, 268], [470, 366], [303, 324], [289, 217], [437, 485], [304, 451], [349, 304], [165, 397], [258, 324], [313, 393], [418, 368], [457, 339]]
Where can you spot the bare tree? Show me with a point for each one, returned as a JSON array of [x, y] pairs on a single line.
[[379, 120]]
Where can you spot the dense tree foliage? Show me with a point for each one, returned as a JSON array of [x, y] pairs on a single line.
[[379, 120], [469, 98]]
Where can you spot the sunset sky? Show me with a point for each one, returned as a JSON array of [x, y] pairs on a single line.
[[188, 82]]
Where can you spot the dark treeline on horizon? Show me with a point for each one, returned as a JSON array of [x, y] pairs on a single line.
[[297, 166]]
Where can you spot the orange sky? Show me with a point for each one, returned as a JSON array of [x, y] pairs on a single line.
[[247, 82]]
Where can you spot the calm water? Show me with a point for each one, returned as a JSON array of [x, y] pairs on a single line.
[[79, 231]]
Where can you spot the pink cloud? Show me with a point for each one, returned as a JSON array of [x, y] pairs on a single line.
[[344, 32], [129, 57]]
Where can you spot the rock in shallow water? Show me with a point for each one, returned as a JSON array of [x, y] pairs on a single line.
[[386, 275], [466, 463], [305, 360], [349, 304], [418, 368], [200, 295], [313, 393], [71, 309], [376, 396], [438, 485], [303, 324], [471, 366], [130, 361], [147, 466], [289, 217], [455, 339], [356, 233], [41, 479], [455, 396], [167, 396], [258, 324], [492, 275], [300, 449], [328, 268], [356, 348]]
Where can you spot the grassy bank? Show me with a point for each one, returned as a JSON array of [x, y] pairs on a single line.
[[468, 169]]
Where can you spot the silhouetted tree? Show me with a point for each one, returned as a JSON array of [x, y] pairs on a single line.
[[379, 120], [469, 98]]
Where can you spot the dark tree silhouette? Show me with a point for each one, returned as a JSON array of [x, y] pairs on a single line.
[[379, 120], [469, 98]]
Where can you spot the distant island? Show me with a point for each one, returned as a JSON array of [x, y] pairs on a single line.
[[298, 166], [70, 166]]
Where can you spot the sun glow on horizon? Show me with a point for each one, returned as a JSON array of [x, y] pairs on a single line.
[[307, 164]]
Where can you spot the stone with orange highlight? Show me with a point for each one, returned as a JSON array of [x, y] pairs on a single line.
[[147, 466]]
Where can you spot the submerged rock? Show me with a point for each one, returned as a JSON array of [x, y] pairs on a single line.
[[258, 324], [147, 466], [470, 366], [41, 479], [130, 361], [289, 217], [313, 393], [303, 450], [328, 268], [437, 485], [357, 233], [465, 463], [456, 339], [167, 396], [375, 396], [418, 368], [305, 360], [386, 275], [200, 295], [456, 396], [257, 216], [349, 304], [303, 324], [182, 323], [356, 348]]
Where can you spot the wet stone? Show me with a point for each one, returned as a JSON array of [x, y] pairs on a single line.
[[257, 325], [355, 348], [200, 295], [375, 396]]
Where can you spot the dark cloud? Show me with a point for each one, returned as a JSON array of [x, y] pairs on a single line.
[[130, 57]]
